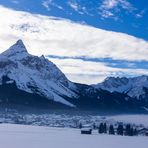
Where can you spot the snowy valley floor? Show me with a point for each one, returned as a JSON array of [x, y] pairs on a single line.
[[24, 136]]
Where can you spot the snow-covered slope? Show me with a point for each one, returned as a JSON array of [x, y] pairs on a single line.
[[134, 87], [23, 136], [35, 74], [21, 73]]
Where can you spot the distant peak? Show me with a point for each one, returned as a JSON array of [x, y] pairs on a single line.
[[19, 46], [42, 56], [20, 42], [15, 49]]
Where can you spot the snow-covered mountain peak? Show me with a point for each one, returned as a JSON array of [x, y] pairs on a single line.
[[35, 74], [116, 81], [134, 87], [18, 50]]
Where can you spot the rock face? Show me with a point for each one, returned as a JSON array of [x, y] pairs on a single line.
[[134, 87], [34, 74], [33, 81]]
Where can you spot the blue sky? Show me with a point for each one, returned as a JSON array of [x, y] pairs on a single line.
[[91, 40], [127, 16]]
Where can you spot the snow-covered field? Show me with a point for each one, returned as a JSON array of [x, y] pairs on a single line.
[[24, 136]]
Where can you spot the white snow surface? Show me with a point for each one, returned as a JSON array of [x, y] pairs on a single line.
[[22, 136], [28, 70], [132, 86]]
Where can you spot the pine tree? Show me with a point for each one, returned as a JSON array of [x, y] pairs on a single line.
[[131, 131], [104, 128], [101, 128], [135, 132], [120, 130], [111, 130], [94, 126], [128, 130], [80, 125]]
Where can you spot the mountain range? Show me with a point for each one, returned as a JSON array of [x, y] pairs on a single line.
[[33, 81]]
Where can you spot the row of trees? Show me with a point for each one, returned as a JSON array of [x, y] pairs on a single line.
[[120, 130]]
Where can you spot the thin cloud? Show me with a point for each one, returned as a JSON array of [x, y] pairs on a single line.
[[15, 1], [111, 8], [48, 3], [77, 7], [140, 14], [93, 72]]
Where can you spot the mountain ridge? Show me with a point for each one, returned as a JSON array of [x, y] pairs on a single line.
[[32, 80], [134, 87]]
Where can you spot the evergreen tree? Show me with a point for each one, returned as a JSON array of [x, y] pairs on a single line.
[[128, 130], [80, 125], [135, 132], [101, 128], [120, 130], [94, 126], [131, 131], [111, 130], [104, 128]]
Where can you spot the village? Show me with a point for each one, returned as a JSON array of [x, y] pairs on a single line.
[[124, 125]]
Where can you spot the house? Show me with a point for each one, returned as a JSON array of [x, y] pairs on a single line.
[[86, 131], [143, 131]]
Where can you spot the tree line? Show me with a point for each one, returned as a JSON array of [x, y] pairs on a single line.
[[127, 130]]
